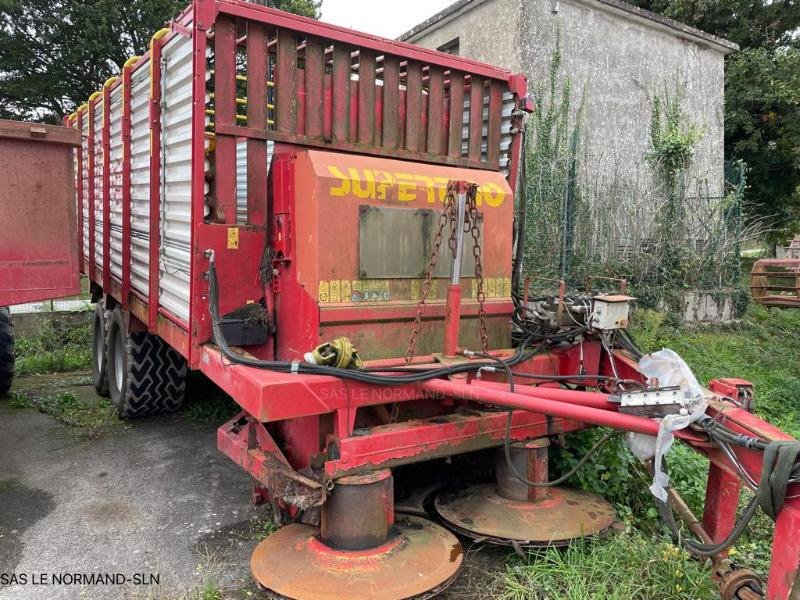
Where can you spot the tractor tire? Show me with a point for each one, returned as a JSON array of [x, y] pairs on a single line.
[[6, 351], [145, 375], [99, 338]]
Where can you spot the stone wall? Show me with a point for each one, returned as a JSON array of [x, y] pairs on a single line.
[[620, 56]]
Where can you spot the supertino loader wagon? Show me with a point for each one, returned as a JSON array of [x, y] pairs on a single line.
[[322, 222]]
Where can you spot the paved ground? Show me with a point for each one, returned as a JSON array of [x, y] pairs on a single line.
[[154, 498]]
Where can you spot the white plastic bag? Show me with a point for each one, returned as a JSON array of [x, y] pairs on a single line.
[[669, 369]]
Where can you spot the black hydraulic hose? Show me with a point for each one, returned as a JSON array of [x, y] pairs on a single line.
[[589, 453], [309, 369]]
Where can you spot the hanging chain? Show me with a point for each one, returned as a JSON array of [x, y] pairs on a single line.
[[471, 222], [448, 216], [471, 225]]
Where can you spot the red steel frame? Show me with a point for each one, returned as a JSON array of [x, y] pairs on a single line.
[[334, 111]]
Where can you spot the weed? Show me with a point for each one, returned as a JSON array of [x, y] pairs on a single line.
[[54, 349], [764, 349], [206, 403], [627, 566], [209, 591], [18, 400], [91, 415]]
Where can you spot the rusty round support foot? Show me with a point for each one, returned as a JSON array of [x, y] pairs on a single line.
[[530, 461], [359, 512], [359, 552], [510, 512]]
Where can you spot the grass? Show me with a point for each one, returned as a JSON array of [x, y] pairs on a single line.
[[626, 566], [89, 414], [206, 403], [764, 348], [54, 349]]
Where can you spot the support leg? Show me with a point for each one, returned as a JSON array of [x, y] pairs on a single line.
[[722, 502]]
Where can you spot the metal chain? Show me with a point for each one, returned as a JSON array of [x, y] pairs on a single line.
[[472, 222], [447, 216]]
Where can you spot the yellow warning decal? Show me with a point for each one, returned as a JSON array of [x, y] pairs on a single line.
[[324, 292], [233, 238]]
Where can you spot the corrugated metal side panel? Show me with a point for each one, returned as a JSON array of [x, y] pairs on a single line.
[[85, 184], [115, 182], [505, 129], [140, 180], [98, 185], [241, 178], [176, 196]]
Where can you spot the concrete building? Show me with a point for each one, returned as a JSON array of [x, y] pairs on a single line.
[[620, 55]]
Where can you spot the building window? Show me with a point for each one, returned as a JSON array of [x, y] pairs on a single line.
[[450, 47]]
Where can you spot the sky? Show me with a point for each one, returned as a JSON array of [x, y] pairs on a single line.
[[387, 18]]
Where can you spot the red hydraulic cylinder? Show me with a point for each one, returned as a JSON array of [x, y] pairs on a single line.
[[555, 408], [452, 315], [592, 399], [452, 318]]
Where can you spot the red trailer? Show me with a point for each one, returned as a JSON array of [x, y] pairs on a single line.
[[39, 242], [322, 222]]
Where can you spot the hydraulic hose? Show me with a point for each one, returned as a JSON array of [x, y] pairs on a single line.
[[369, 377]]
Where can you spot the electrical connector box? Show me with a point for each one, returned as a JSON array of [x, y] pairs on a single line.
[[611, 312]]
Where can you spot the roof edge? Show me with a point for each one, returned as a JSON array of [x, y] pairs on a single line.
[[452, 11]]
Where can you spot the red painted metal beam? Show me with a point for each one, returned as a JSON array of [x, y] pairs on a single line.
[[155, 182], [79, 158], [91, 188], [106, 145], [126, 184], [426, 439]]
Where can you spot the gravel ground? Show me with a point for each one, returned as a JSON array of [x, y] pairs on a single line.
[[151, 504], [153, 499]]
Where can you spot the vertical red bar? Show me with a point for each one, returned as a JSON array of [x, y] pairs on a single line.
[[204, 14], [106, 142], [256, 119], [341, 93], [722, 501], [413, 106], [285, 82], [90, 150], [126, 182], [391, 100], [225, 114], [495, 122], [436, 127], [315, 72], [475, 117], [155, 180], [366, 97], [783, 580], [456, 121], [79, 190]]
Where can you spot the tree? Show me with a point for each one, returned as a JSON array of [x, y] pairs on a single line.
[[762, 128], [762, 93], [55, 53]]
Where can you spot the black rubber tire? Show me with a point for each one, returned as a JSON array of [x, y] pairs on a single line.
[[6, 351], [145, 375], [99, 354]]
